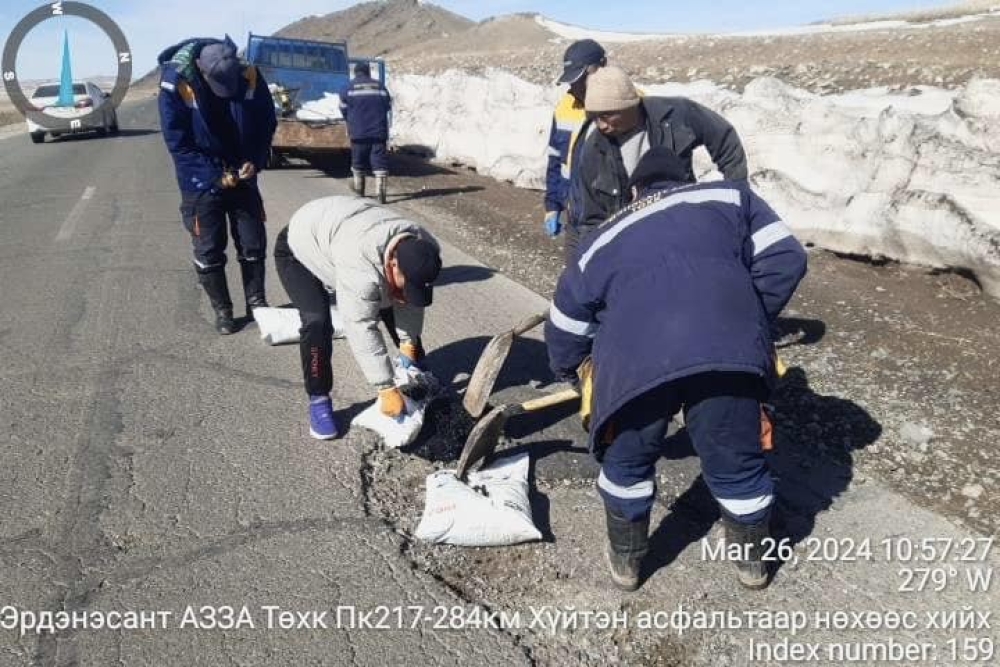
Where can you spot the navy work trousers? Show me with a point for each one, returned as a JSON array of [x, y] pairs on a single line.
[[722, 416], [369, 156], [209, 217]]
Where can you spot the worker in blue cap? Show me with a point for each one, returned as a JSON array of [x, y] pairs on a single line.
[[218, 119]]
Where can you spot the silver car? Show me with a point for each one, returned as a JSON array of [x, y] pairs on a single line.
[[87, 97]]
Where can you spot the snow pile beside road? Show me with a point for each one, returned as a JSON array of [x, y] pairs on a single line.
[[499, 124], [913, 177], [884, 177]]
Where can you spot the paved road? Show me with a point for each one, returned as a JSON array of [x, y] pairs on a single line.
[[151, 465]]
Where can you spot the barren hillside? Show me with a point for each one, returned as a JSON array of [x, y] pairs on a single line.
[[947, 55], [377, 28]]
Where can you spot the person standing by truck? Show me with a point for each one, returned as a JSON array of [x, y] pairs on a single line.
[[218, 119], [365, 104]]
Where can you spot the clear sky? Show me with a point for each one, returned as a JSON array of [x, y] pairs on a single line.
[[150, 25]]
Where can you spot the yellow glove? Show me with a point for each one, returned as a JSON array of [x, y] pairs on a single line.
[[391, 403], [228, 180]]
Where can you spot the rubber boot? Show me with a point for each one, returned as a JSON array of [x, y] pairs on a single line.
[[358, 183], [381, 186], [217, 290], [628, 542], [751, 569], [253, 285]]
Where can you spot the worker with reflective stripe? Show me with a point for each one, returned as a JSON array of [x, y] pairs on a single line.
[[581, 59], [218, 119], [365, 105], [673, 299]]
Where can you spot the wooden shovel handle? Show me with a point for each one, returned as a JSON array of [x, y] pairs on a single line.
[[529, 323], [558, 398]]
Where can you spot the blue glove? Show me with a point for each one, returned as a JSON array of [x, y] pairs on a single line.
[[411, 355], [407, 363], [553, 224]]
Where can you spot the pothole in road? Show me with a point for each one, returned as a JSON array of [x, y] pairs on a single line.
[[520, 578]]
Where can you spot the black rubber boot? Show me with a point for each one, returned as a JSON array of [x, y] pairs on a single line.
[[381, 187], [751, 569], [628, 542], [217, 290], [253, 285]]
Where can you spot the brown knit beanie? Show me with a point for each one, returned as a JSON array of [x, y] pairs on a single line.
[[610, 89]]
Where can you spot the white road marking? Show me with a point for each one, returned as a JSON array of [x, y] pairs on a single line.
[[69, 225]]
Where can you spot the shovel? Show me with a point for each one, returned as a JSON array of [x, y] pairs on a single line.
[[490, 362], [485, 435]]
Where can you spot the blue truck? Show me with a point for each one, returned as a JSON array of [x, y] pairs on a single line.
[[301, 71]]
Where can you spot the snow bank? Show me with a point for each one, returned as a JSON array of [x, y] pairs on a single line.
[[499, 124], [912, 177]]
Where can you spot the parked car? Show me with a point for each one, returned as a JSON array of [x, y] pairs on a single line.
[[86, 98]]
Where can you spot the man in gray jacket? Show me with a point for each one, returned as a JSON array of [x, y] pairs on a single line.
[[621, 127], [374, 260]]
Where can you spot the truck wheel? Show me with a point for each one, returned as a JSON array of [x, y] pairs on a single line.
[[37, 137]]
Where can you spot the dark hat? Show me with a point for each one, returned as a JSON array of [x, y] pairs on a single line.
[[221, 68], [420, 262], [659, 165], [362, 69], [578, 57]]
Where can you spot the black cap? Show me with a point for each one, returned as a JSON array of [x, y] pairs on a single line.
[[221, 68], [362, 69], [659, 165], [420, 262], [578, 57]]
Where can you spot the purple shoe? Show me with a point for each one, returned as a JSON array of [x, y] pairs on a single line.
[[322, 424]]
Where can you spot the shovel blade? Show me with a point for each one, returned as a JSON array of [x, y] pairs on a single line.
[[485, 375], [482, 441]]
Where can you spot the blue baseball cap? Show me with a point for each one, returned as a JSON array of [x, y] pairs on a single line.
[[220, 68], [578, 57]]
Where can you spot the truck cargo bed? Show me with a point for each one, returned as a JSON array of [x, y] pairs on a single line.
[[302, 135]]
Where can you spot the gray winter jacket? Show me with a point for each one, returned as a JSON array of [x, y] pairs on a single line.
[[343, 241]]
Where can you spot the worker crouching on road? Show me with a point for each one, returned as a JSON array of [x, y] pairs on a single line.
[[218, 119], [673, 298], [374, 260], [365, 105]]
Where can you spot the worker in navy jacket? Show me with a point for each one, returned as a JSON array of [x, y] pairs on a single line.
[[673, 298], [218, 119], [365, 105]]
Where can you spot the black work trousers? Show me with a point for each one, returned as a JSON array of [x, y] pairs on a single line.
[[311, 298]]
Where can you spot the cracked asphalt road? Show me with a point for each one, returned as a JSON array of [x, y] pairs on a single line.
[[151, 465]]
